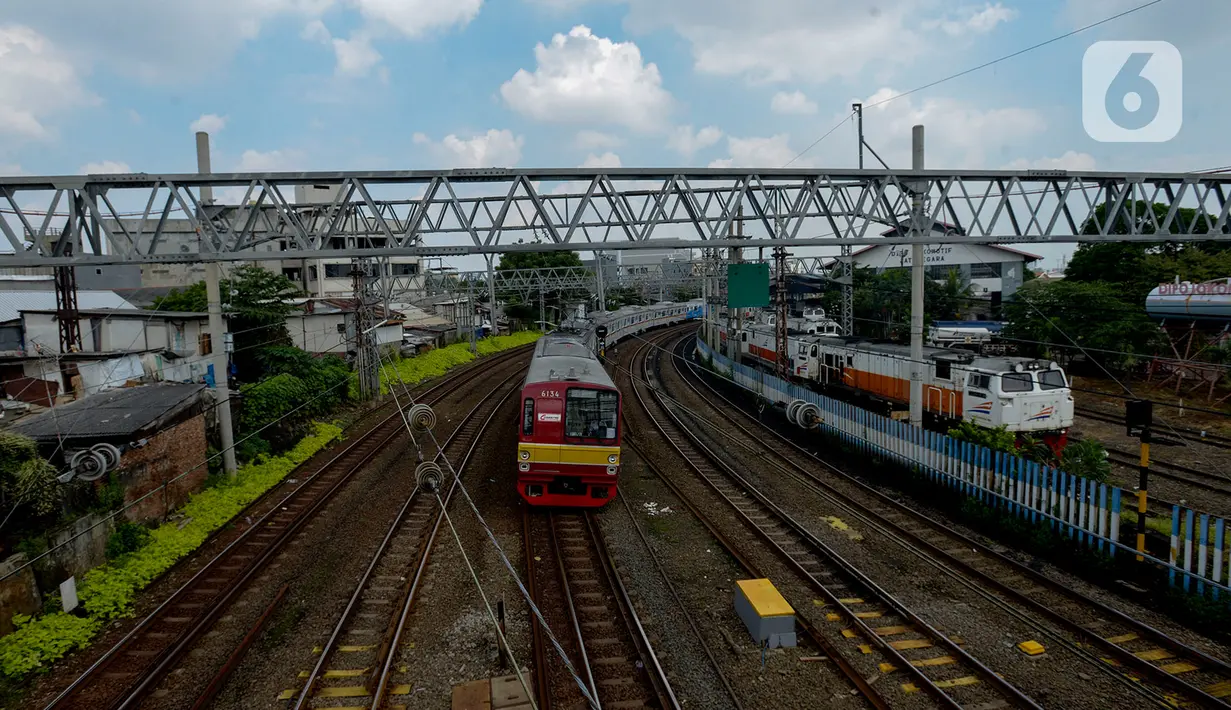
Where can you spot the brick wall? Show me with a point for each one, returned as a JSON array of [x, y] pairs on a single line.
[[165, 456]]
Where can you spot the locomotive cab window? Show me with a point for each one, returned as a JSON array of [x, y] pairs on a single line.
[[1051, 380], [1016, 382], [943, 370], [980, 381], [527, 418], [590, 414]]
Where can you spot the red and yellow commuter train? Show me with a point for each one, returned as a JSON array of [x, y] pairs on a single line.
[[568, 449]]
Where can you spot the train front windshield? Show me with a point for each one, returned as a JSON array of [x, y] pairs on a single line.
[[591, 414]]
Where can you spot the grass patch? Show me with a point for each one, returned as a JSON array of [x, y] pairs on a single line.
[[107, 592], [435, 363]]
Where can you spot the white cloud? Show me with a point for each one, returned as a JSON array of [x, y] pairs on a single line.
[[416, 18], [155, 40], [315, 31], [793, 102], [584, 78], [606, 160], [819, 40], [255, 161], [957, 134], [106, 166], [11, 169], [211, 123], [685, 142], [494, 149], [973, 20], [1071, 160], [596, 140], [135, 117], [771, 152], [36, 81], [356, 56]]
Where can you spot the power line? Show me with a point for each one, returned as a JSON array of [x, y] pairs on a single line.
[[984, 65]]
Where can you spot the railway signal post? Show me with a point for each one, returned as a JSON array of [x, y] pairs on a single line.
[[1139, 417]]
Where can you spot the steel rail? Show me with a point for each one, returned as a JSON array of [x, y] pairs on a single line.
[[860, 683], [395, 637], [574, 619], [327, 651], [825, 552], [131, 695], [878, 520], [542, 684], [662, 572], [659, 678]]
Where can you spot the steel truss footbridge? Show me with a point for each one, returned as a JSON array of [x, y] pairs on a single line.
[[82, 219]]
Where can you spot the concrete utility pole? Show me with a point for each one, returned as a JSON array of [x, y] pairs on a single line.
[[598, 274], [218, 359], [846, 260], [491, 294], [217, 326], [916, 283]]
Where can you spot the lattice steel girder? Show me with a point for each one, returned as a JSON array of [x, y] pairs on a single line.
[[526, 282], [453, 212]]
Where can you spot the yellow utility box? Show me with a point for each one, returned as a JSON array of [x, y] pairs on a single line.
[[768, 616]]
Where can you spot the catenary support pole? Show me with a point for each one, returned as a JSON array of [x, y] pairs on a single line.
[[491, 295], [916, 284], [217, 326], [218, 358]]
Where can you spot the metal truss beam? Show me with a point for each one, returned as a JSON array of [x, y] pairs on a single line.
[[146, 218], [524, 283]]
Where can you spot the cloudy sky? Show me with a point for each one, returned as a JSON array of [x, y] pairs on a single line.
[[119, 86]]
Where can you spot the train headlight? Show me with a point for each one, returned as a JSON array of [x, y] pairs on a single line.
[[611, 470], [523, 466], [525, 455], [611, 458]]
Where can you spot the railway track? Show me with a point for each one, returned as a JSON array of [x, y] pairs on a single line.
[[1191, 436], [864, 614], [356, 660], [613, 652], [1126, 647], [1172, 471], [122, 676]]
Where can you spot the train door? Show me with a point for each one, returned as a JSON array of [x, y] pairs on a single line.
[[979, 400]]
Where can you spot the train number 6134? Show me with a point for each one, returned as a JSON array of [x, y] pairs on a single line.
[[550, 393]]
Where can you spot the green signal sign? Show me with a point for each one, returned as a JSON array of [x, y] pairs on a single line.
[[747, 285]]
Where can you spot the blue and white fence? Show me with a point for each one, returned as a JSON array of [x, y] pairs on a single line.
[[1079, 508]]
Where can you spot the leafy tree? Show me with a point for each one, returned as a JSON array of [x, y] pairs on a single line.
[[525, 310], [1137, 267], [255, 301], [882, 301], [296, 388], [1094, 315], [26, 478], [538, 260]]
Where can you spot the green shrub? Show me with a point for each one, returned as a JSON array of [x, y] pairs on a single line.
[[434, 363], [128, 537], [107, 592]]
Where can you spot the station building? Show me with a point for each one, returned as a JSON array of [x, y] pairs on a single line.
[[993, 272]]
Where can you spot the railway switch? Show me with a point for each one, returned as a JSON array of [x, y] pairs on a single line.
[[768, 616]]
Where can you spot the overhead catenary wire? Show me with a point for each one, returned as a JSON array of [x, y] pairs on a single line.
[[984, 65], [457, 482]]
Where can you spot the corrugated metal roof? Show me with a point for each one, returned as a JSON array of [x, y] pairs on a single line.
[[119, 412], [13, 302]]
